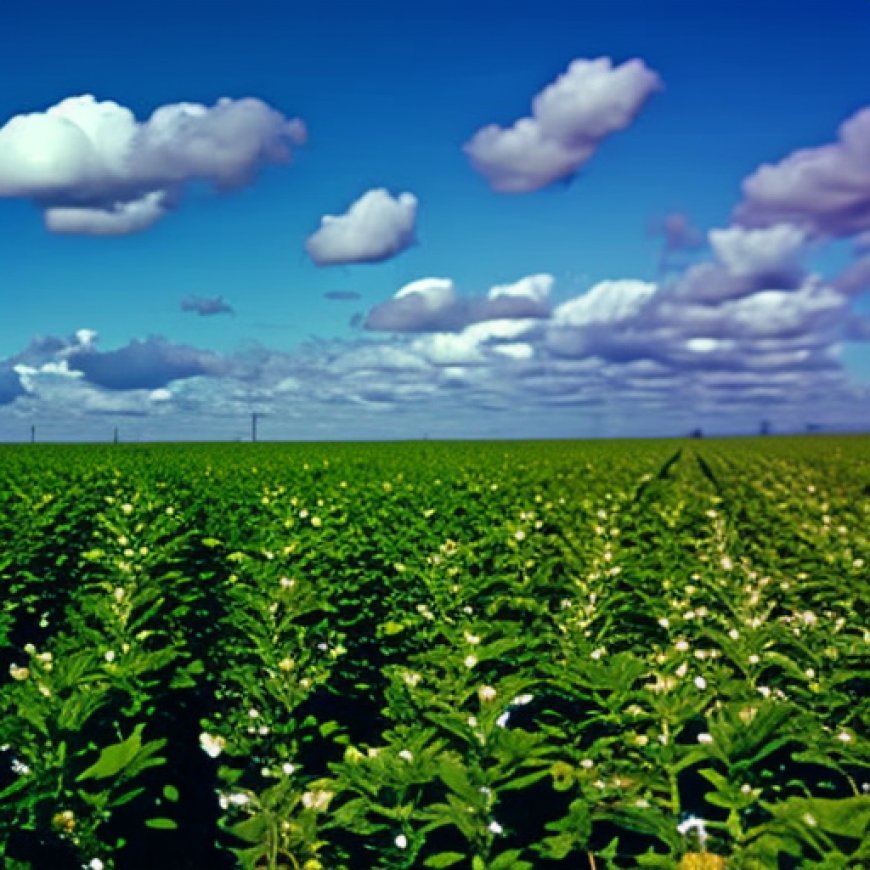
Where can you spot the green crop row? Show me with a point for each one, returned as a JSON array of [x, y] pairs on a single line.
[[483, 656]]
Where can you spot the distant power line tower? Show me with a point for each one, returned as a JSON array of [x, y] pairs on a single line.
[[33, 434], [254, 418]]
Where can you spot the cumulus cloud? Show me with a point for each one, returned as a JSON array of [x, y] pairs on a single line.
[[825, 190], [206, 306], [474, 343], [769, 254], [570, 119], [424, 305], [56, 386], [432, 305], [606, 302], [375, 228], [116, 219], [147, 364], [96, 170], [10, 384]]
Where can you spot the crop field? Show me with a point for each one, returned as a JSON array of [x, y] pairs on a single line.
[[486, 656]]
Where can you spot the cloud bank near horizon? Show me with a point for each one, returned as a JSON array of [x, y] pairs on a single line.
[[627, 347]]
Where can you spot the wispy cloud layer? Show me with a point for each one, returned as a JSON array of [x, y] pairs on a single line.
[[570, 119], [375, 227], [96, 170]]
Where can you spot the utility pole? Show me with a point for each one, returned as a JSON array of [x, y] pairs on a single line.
[[32, 434], [115, 437], [254, 418]]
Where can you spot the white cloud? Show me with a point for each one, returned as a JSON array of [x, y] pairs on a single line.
[[570, 119], [424, 305], [769, 251], [824, 189], [432, 305], [534, 287], [784, 312], [470, 346], [117, 220], [436, 293], [95, 169], [374, 228], [606, 302], [518, 350]]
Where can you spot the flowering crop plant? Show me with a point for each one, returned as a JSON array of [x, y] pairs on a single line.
[[491, 656]]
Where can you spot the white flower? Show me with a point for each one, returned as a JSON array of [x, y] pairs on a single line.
[[693, 823], [19, 767], [472, 639], [317, 800], [212, 744], [96, 864], [700, 683], [503, 720], [664, 622], [522, 700], [253, 713], [470, 661], [705, 738], [239, 799], [681, 645], [406, 754], [486, 694], [495, 827], [401, 841], [845, 736], [587, 764], [109, 655]]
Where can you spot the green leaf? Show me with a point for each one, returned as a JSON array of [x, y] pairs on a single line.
[[161, 824], [113, 759], [523, 781], [170, 792], [510, 861], [444, 859]]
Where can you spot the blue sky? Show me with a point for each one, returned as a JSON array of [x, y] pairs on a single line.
[[618, 263]]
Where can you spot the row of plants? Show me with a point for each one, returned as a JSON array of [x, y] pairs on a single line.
[[472, 656]]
